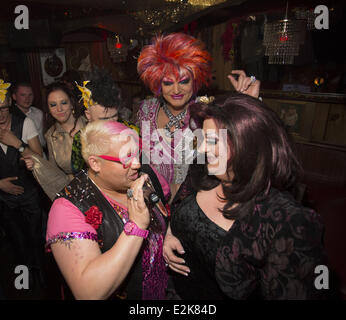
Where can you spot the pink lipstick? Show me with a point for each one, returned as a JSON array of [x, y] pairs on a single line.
[[177, 96]]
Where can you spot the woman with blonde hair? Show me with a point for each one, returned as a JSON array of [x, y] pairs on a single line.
[[104, 238]]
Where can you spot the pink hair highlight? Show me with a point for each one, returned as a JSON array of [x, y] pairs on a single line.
[[115, 127], [167, 55]]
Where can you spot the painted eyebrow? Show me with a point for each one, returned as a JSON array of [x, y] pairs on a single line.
[[60, 101], [186, 77]]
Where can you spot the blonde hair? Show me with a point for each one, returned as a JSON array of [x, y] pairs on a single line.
[[98, 137]]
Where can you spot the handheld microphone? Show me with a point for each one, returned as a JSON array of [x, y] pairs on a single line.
[[151, 196]]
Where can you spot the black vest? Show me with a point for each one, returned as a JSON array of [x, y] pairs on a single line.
[[82, 192], [11, 166]]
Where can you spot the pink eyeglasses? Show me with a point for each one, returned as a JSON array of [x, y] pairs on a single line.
[[127, 161]]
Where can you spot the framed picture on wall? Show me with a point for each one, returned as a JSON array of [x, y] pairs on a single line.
[[53, 64], [297, 116]]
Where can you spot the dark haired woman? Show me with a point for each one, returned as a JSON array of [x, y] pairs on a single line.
[[63, 123], [241, 234]]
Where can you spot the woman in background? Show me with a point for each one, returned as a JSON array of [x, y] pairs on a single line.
[[64, 122]]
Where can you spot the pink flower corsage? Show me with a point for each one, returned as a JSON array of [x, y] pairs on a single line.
[[94, 217]]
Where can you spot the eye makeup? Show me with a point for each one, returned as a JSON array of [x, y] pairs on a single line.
[[54, 104], [185, 80], [169, 82], [211, 138]]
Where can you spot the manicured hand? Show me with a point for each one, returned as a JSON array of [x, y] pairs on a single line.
[[244, 84]]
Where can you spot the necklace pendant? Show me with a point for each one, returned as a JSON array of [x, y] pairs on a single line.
[[176, 122]]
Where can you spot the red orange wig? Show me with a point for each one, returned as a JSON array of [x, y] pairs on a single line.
[[167, 55]]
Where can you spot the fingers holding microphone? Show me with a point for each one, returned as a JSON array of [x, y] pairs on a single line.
[[138, 211]]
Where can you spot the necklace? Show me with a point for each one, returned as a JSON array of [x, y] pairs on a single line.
[[174, 121]]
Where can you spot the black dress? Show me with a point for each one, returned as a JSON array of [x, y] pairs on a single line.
[[200, 238], [271, 253]]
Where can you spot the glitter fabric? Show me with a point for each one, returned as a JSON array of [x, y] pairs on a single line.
[[67, 237], [155, 277], [153, 265], [162, 153]]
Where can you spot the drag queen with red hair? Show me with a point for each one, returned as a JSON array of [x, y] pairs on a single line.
[[175, 67]]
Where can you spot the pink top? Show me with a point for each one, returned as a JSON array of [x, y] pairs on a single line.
[[65, 217]]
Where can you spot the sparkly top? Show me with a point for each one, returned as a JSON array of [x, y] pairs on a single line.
[[170, 157]]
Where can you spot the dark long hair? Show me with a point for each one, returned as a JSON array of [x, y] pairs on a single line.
[[261, 151], [76, 107]]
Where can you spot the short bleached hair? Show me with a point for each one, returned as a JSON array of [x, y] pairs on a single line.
[[98, 137]]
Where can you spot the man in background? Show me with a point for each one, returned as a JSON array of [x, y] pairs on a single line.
[[21, 209], [23, 97]]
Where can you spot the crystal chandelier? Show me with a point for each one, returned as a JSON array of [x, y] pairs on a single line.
[[308, 15], [200, 3], [175, 11], [282, 39], [116, 49]]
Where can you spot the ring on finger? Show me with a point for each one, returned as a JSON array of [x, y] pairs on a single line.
[[253, 79], [129, 193]]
